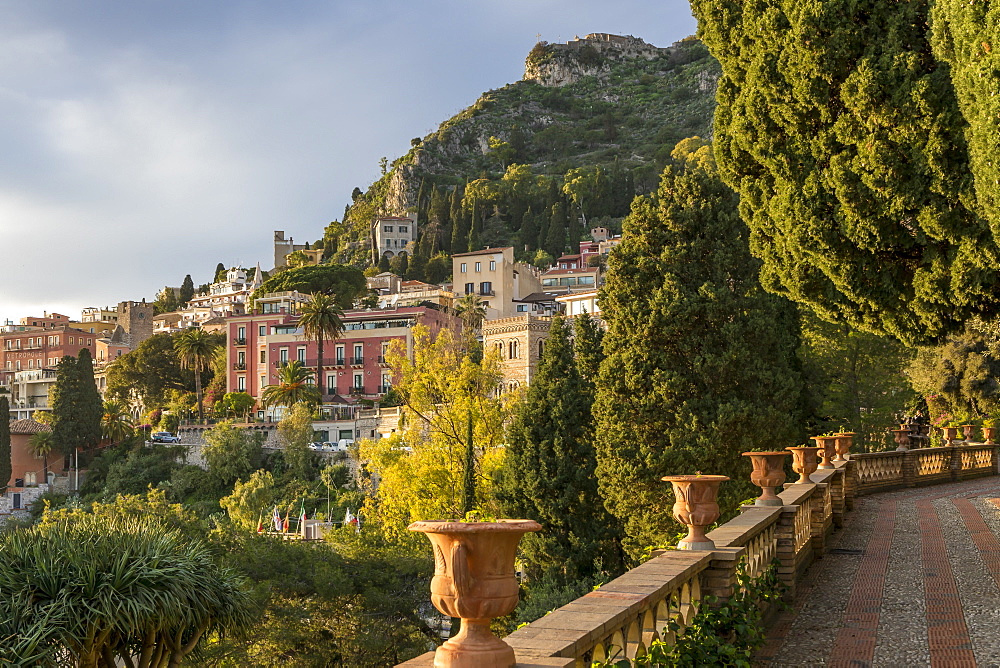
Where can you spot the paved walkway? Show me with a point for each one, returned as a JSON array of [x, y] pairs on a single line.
[[913, 579]]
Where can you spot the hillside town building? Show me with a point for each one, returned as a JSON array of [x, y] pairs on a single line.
[[494, 276]]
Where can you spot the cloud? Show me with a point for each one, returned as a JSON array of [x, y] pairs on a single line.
[[144, 142]]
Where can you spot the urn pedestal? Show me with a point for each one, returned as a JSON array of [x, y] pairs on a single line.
[[768, 474], [695, 505], [902, 438], [827, 450], [967, 430], [990, 435], [845, 441], [474, 580], [804, 462]]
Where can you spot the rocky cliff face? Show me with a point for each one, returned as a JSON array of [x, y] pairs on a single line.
[[593, 55]]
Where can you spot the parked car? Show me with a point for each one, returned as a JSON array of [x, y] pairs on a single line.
[[164, 437]]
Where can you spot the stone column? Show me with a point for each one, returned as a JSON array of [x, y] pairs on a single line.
[[909, 469], [785, 533], [719, 579]]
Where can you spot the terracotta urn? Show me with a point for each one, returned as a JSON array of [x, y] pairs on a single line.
[[804, 462], [845, 440], [695, 506], [768, 473], [967, 430], [950, 434], [902, 438], [474, 580], [828, 448], [990, 435]]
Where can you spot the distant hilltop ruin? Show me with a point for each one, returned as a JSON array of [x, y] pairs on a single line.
[[561, 64]]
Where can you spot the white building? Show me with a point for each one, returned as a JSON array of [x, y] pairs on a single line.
[[395, 235]]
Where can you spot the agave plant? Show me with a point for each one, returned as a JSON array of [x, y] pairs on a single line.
[[105, 591]]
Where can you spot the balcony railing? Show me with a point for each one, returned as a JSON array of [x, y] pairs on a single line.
[[357, 389], [487, 293], [357, 361], [381, 360], [384, 389], [239, 342], [239, 366], [327, 361]]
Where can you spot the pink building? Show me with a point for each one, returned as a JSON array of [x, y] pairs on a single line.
[[354, 365]]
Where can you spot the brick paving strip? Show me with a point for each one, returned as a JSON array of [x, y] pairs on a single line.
[[855, 642], [985, 540], [775, 652], [948, 638]]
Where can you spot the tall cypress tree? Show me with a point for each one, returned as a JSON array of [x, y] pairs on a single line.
[[529, 231], [699, 365], [548, 473], [91, 408], [555, 235], [5, 464], [64, 406], [965, 34], [843, 134], [76, 404], [187, 289], [588, 336]]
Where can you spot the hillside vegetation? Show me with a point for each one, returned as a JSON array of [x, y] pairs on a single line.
[[536, 163]]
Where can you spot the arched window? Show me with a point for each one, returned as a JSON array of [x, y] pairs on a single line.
[[499, 389], [541, 347], [512, 349], [499, 346], [513, 386]]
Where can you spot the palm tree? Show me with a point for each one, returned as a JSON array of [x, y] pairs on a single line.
[[322, 319], [116, 422], [195, 348], [293, 386], [472, 310], [40, 445]]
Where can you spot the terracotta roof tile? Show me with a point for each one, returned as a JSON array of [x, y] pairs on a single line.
[[28, 427]]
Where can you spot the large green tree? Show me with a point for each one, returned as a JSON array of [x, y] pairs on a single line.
[[344, 282], [149, 374], [700, 360], [322, 320], [965, 35], [548, 473], [843, 135], [960, 376]]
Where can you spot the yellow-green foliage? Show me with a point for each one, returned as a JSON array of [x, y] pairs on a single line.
[[419, 468]]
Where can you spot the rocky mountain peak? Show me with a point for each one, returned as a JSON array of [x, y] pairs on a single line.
[[562, 64]]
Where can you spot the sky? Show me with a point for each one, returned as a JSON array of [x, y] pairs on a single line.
[[143, 141]]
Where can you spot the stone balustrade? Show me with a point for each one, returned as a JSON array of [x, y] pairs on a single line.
[[623, 617], [883, 471]]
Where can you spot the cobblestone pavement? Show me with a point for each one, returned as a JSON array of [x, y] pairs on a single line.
[[913, 579]]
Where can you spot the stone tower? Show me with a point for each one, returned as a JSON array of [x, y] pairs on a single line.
[[136, 318]]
